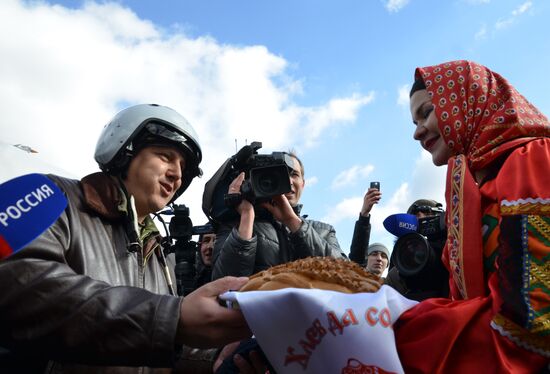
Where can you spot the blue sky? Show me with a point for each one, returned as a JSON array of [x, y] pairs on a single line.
[[329, 79]]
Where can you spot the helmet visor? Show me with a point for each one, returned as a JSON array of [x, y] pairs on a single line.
[[159, 130], [155, 133]]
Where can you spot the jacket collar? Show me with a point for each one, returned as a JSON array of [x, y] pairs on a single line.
[[104, 195], [297, 209]]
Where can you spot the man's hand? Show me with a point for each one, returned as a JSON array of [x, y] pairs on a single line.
[[282, 211], [257, 364], [226, 352], [206, 324], [372, 197], [245, 209], [235, 188]]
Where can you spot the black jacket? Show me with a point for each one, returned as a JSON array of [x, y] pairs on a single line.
[[271, 244], [360, 241]]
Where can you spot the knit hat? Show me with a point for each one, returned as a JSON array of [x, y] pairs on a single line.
[[378, 247]]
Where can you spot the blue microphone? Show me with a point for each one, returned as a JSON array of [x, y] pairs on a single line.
[[29, 204], [401, 224]]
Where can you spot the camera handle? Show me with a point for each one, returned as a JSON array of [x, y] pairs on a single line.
[[231, 200]]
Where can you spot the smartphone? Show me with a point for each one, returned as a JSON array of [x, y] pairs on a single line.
[[375, 185]]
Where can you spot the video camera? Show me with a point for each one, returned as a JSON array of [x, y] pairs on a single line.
[[266, 175], [181, 230], [417, 251]]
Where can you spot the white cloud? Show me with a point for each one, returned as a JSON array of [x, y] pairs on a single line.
[[350, 207], [394, 6], [403, 95], [23, 162], [316, 121], [345, 209], [119, 23], [397, 203], [522, 8], [481, 33], [352, 175], [311, 181], [503, 23], [68, 74], [428, 182]]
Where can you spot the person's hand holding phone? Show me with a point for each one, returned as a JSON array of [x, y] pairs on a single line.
[[372, 197]]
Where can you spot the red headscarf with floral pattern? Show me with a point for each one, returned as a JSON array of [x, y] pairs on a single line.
[[481, 117]]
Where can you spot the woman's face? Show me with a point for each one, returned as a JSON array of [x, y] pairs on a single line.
[[427, 132]]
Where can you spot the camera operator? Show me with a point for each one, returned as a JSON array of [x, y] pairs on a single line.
[[422, 281], [256, 243]]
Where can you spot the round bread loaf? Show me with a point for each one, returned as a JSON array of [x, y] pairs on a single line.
[[324, 273]]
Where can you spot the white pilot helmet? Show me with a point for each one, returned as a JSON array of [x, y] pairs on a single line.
[[139, 125]]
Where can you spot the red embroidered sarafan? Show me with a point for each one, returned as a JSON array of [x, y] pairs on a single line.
[[498, 216]]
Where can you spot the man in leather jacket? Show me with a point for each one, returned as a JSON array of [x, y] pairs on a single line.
[[94, 293], [257, 243]]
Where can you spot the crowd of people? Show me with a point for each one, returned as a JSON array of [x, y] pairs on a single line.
[[95, 292]]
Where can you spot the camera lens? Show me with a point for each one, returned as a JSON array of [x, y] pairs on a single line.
[[267, 184], [185, 275], [412, 254], [269, 181]]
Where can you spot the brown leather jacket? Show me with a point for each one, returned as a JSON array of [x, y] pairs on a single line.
[[81, 298]]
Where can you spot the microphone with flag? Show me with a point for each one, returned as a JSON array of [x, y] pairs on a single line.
[[29, 204], [401, 224]]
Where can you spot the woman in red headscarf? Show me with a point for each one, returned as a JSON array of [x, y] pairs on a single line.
[[497, 148]]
